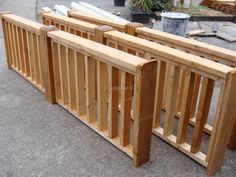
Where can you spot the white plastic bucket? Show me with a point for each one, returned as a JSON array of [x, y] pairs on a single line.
[[174, 23]]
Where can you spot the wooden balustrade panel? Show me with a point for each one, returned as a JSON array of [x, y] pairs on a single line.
[[76, 87], [24, 53]]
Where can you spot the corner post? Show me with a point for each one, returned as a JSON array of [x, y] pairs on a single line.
[[223, 125], [43, 18], [47, 69], [69, 11], [144, 94], [6, 39], [130, 28]]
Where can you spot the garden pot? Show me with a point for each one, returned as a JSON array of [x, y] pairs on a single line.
[[142, 17], [119, 3]]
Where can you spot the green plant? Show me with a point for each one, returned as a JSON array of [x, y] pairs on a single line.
[[141, 5], [149, 5]]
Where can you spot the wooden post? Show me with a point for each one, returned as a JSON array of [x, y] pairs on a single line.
[[6, 40], [47, 63], [130, 28], [232, 140], [223, 125], [102, 80], [144, 94], [70, 10]]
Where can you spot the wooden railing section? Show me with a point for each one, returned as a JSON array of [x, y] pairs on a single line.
[[93, 96], [192, 68], [214, 53], [81, 76], [86, 78], [22, 44]]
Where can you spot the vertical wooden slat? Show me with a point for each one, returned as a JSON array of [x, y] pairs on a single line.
[[19, 48], [31, 55], [67, 72], [180, 91], [90, 88], [143, 111], [113, 101], [26, 52], [189, 79], [160, 82], [47, 63], [80, 83], [5, 28], [11, 45], [15, 46], [223, 125], [72, 82], [63, 74], [195, 95], [24, 70], [102, 94], [39, 61], [36, 58], [126, 88], [232, 139], [202, 113], [56, 70], [171, 98]]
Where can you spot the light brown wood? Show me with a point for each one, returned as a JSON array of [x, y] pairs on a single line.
[[47, 63], [113, 101], [160, 82], [202, 113], [104, 53], [195, 95], [224, 124], [6, 42], [171, 99], [143, 111], [56, 70], [90, 88], [125, 107], [80, 84], [232, 139], [185, 106]]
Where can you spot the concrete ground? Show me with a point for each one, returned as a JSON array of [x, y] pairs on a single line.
[[42, 140]]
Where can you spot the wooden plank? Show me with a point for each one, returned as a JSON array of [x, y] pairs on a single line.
[[47, 53], [125, 107], [173, 55], [56, 70], [113, 101], [90, 89], [19, 49], [202, 113], [11, 45], [72, 76], [25, 52], [232, 140], [160, 82], [32, 58], [80, 84], [63, 75], [171, 99], [223, 125], [15, 47], [189, 78], [39, 61], [195, 95], [36, 59], [145, 82], [102, 95], [6, 42], [104, 53]]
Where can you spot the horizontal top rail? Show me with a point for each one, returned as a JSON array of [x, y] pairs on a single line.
[[97, 20], [22, 22], [188, 43], [119, 59], [70, 21], [205, 65]]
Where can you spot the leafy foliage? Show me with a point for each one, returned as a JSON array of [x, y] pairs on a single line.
[[148, 5]]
